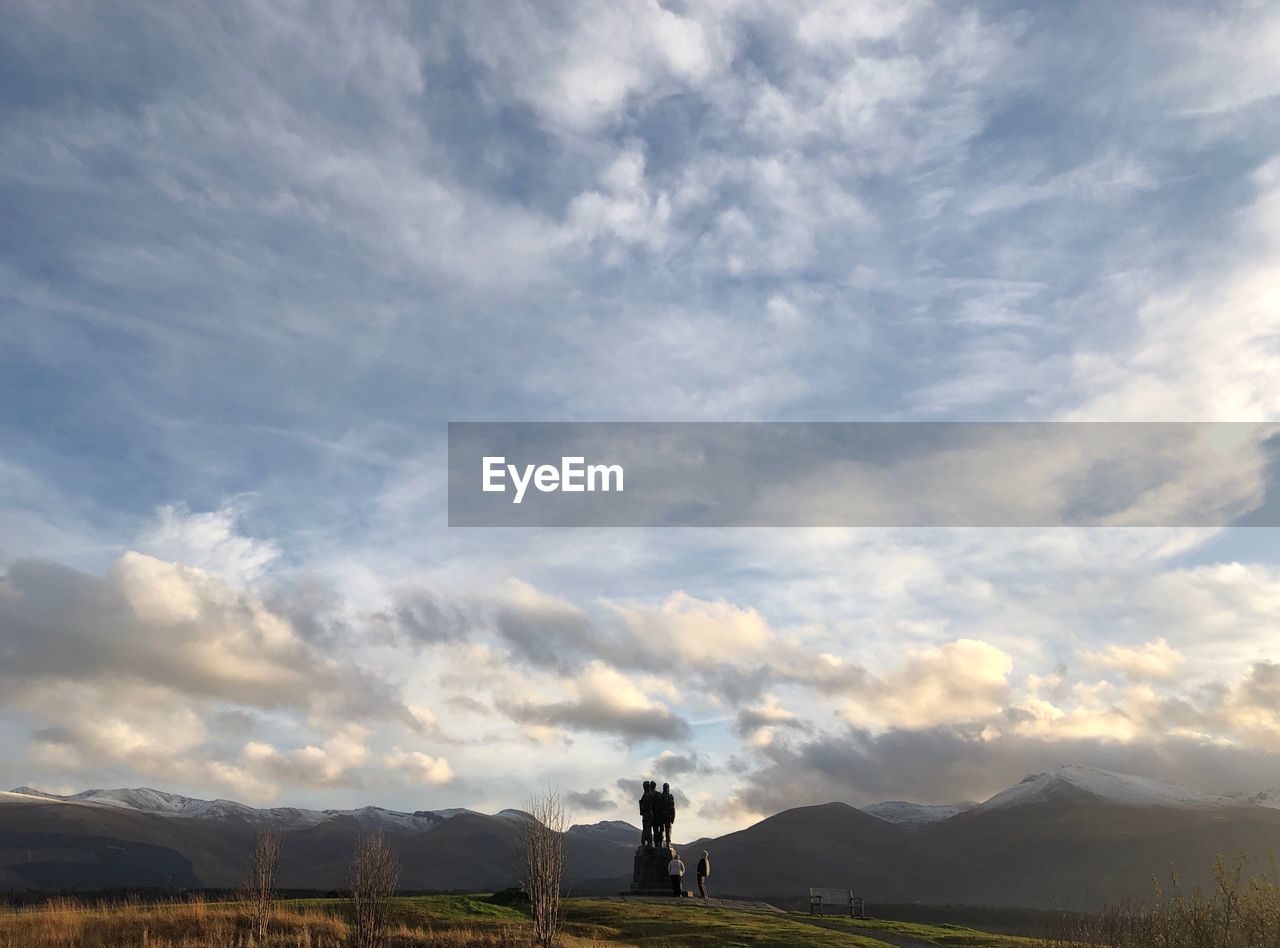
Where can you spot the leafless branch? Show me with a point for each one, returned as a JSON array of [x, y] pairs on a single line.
[[373, 876], [259, 889], [541, 858]]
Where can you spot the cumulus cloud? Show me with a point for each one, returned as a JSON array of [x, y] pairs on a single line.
[[946, 763], [171, 626], [1223, 737], [672, 764], [606, 701], [152, 669], [730, 651], [1250, 706], [960, 681], [428, 618], [210, 541], [420, 768], [595, 800], [1154, 659], [758, 724], [335, 763], [149, 732], [542, 629]]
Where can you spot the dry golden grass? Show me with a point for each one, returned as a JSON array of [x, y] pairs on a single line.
[[1239, 911], [195, 923], [457, 921], [62, 923]]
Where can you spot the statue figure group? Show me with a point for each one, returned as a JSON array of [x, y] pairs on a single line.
[[657, 813]]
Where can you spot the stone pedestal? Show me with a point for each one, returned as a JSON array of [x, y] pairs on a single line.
[[649, 877]]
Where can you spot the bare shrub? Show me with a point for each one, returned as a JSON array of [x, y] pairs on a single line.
[[259, 890], [541, 862], [1238, 911], [372, 878]]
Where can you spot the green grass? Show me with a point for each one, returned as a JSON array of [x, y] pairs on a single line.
[[605, 921], [643, 923], [455, 921], [461, 907], [942, 934], [612, 921]]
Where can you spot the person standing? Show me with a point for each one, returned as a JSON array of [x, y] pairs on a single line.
[[675, 869], [704, 870]]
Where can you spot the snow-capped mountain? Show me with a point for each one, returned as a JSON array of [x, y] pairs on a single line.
[[1070, 820], [1267, 798], [1106, 786], [618, 831], [1071, 781], [900, 811], [146, 800], [148, 838]]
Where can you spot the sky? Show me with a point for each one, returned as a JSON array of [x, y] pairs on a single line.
[[255, 256]]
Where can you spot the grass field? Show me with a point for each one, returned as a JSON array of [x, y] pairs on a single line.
[[940, 934], [450, 921]]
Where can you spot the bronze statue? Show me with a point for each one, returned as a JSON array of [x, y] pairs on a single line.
[[657, 813], [648, 823], [665, 811]]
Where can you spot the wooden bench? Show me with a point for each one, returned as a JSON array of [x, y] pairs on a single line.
[[843, 899]]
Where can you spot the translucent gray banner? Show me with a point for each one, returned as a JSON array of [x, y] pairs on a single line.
[[861, 474]]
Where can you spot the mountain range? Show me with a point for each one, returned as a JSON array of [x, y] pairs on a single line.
[[1071, 838]]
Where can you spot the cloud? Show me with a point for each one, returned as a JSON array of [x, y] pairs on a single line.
[[542, 629], [335, 763], [1202, 345], [605, 701], [427, 618], [1249, 707], [146, 734], [595, 800], [671, 764], [1155, 659], [420, 768], [946, 763], [628, 211], [167, 625], [585, 70], [1222, 736], [153, 669], [208, 541], [729, 651], [760, 723], [960, 681]]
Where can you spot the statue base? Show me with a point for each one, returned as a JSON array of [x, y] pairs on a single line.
[[649, 877]]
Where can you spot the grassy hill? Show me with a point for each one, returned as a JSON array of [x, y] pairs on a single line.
[[463, 920]]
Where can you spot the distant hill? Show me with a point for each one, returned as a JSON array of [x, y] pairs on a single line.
[[444, 849], [899, 811], [617, 831], [1070, 838]]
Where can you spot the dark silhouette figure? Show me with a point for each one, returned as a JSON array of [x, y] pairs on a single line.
[[648, 823], [665, 815]]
